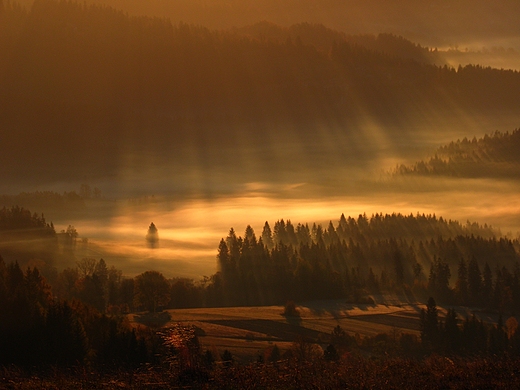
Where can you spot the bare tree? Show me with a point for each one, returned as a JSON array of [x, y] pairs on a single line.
[[86, 266]]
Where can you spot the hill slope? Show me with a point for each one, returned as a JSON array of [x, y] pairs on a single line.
[[491, 156], [117, 91]]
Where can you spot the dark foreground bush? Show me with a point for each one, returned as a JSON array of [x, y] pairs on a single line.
[[431, 373]]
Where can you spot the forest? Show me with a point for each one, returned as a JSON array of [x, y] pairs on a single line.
[[357, 257], [435, 22], [491, 156], [354, 260], [412, 254]]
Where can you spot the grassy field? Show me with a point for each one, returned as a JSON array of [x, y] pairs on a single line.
[[247, 332]]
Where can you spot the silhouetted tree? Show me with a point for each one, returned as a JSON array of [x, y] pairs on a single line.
[[152, 236], [451, 333], [152, 290], [86, 266], [273, 354], [429, 323], [267, 236], [398, 268], [498, 341], [290, 310], [65, 336], [227, 358], [438, 282], [331, 354], [461, 285], [474, 336], [487, 286], [475, 287], [417, 271]]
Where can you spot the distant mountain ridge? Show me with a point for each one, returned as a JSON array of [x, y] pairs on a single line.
[[435, 22], [93, 82], [324, 39]]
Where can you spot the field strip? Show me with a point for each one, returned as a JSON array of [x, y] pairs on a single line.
[[391, 320], [272, 329], [212, 329]]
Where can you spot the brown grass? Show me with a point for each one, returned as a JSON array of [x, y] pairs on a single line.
[[247, 331]]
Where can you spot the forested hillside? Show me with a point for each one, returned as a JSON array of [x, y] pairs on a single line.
[[413, 255], [324, 40], [95, 82], [25, 236], [492, 156], [45, 200], [436, 22], [408, 254], [39, 330]]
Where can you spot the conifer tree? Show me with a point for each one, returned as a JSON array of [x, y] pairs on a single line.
[[461, 285], [474, 283], [267, 236], [451, 332], [487, 286], [429, 323]]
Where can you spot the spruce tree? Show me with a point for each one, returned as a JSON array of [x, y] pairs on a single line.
[[430, 325]]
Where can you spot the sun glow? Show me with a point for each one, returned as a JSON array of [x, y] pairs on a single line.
[[189, 231]]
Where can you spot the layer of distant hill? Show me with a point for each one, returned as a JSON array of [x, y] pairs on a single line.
[[493, 155], [435, 22], [92, 82]]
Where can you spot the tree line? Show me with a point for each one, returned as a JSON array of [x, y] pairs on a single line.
[[99, 57], [63, 206], [415, 256], [471, 336], [40, 330], [448, 334], [27, 236], [461, 21], [492, 156], [407, 254], [324, 39]]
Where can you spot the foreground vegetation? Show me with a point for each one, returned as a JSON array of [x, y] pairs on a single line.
[[432, 373]]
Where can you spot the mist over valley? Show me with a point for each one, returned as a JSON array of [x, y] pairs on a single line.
[[202, 129]]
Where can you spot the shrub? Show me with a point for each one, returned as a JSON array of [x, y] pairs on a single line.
[[290, 310]]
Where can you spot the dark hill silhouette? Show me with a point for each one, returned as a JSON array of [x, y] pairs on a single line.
[[26, 236], [323, 39], [436, 22], [92, 82]]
